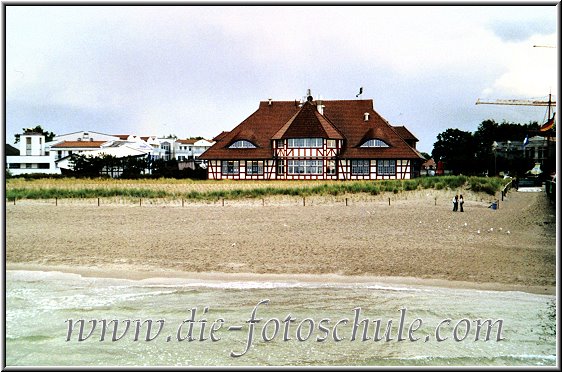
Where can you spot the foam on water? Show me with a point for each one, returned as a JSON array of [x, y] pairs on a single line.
[[39, 303]]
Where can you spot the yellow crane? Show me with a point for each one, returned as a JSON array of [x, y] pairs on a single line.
[[517, 102], [520, 102]]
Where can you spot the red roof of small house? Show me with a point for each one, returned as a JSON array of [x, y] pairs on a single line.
[[121, 136], [287, 119], [430, 163], [79, 144], [187, 141]]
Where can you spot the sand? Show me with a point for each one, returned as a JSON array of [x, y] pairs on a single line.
[[411, 241]]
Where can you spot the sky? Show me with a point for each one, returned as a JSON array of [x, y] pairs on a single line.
[[200, 70]]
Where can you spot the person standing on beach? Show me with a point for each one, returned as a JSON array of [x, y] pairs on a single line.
[[461, 202], [456, 203]]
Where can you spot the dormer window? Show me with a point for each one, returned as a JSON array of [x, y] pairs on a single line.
[[242, 144], [374, 143]]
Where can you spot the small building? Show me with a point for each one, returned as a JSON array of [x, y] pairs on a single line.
[[314, 140], [33, 157]]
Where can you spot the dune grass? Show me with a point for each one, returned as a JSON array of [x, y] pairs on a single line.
[[213, 190]]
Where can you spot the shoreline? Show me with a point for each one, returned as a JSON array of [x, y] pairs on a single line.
[[140, 274]]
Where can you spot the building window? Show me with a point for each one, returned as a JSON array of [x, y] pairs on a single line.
[[254, 167], [279, 144], [331, 143], [29, 165], [305, 166], [304, 142], [386, 167], [374, 143], [280, 167], [230, 166], [360, 167], [14, 165], [331, 167], [242, 144], [44, 165]]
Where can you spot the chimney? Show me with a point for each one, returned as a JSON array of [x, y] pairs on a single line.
[[269, 103], [320, 107], [366, 116]]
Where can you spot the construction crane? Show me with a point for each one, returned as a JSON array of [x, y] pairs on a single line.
[[520, 102], [516, 102]]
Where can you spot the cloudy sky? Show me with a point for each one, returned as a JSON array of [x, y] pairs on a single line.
[[199, 70]]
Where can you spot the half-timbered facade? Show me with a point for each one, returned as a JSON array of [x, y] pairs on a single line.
[[314, 140]]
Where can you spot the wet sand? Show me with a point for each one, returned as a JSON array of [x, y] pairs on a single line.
[[411, 241]]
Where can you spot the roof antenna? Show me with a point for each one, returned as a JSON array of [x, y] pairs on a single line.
[[360, 92]]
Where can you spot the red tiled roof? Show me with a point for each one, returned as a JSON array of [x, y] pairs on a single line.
[[186, 141], [308, 123], [121, 136], [220, 136], [79, 144], [429, 163], [404, 133], [340, 117]]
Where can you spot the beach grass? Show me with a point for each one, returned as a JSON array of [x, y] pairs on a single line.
[[47, 188]]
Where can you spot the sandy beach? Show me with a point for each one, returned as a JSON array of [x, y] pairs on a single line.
[[411, 241]]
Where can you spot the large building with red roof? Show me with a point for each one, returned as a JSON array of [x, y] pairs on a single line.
[[314, 140]]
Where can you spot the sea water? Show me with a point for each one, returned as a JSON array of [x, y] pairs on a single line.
[[293, 323]]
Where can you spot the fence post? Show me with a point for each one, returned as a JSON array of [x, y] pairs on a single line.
[[436, 200], [182, 202], [98, 202], [388, 201], [140, 202], [223, 202], [56, 201], [14, 200], [346, 202]]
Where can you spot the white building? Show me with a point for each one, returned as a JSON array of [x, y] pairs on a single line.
[[191, 149], [38, 156], [33, 158]]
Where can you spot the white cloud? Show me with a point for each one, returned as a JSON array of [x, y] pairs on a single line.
[[203, 69]]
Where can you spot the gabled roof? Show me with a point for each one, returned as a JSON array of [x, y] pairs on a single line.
[[349, 117], [261, 126], [404, 133], [340, 119], [79, 144], [186, 141], [308, 123]]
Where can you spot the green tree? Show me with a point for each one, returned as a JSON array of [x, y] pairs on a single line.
[[489, 131], [425, 155], [457, 149], [48, 135]]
